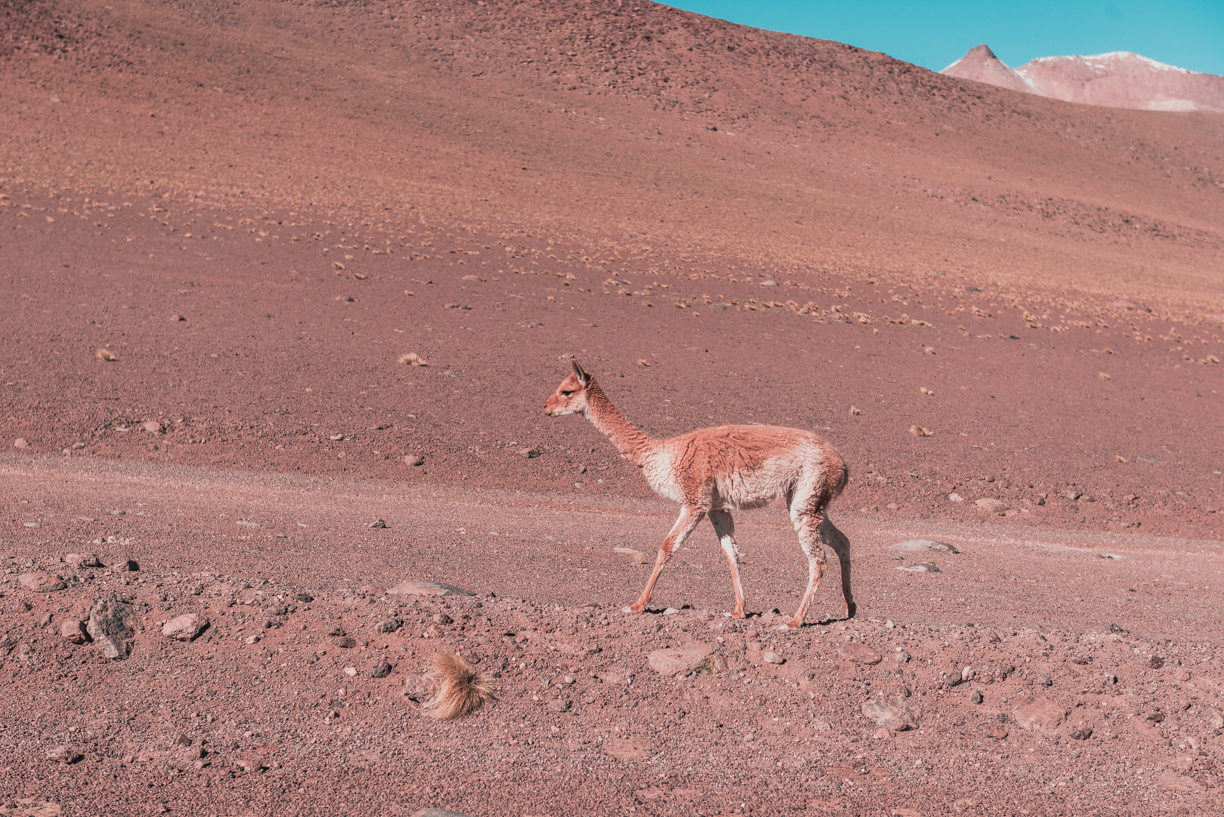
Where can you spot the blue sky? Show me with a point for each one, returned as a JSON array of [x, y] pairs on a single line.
[[1185, 33]]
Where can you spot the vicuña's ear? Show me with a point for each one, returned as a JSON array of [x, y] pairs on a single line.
[[582, 375]]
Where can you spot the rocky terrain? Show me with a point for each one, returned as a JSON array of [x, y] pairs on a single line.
[[285, 288]]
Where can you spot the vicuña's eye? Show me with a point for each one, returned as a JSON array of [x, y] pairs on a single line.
[[566, 393]]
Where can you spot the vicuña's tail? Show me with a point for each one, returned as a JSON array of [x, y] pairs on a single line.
[[461, 690]]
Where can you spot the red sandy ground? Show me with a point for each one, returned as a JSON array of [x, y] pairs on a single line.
[[286, 417]]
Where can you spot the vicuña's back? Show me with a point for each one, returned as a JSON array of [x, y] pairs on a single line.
[[713, 471]]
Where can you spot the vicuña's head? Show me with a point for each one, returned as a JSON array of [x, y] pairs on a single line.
[[571, 396]]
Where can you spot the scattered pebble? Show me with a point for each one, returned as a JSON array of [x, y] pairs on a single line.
[[41, 582], [20, 442], [381, 670], [919, 431], [186, 627], [153, 427], [992, 505], [529, 453], [925, 544], [63, 754], [679, 660], [414, 459], [419, 588], [112, 626], [890, 713], [772, 658], [919, 567], [73, 631], [859, 653]]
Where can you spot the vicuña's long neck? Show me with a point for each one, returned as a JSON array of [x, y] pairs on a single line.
[[631, 440]]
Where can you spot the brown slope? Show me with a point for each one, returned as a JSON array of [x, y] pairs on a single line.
[[624, 125]]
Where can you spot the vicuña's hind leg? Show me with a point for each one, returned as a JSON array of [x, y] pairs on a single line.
[[724, 527], [809, 527], [831, 536], [689, 517]]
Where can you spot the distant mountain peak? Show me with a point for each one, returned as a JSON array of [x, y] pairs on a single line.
[[1116, 79]]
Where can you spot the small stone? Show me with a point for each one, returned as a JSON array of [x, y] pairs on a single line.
[[350, 671], [919, 567], [559, 705], [388, 625], [73, 631], [925, 544], [126, 566], [416, 588], [1082, 733], [381, 670], [859, 654], [186, 627], [378, 524], [893, 506], [443, 619], [890, 713], [967, 673], [1044, 680], [900, 657], [414, 459], [153, 427], [975, 697], [1182, 675], [344, 642], [1038, 714], [529, 453], [992, 505], [251, 762], [251, 639], [41, 582], [955, 497], [176, 318], [1072, 494], [996, 730], [82, 560], [1216, 720], [112, 626], [679, 660], [671, 611], [305, 598], [772, 658], [567, 680], [63, 754], [436, 812]]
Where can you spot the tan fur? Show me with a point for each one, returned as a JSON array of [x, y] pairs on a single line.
[[713, 471], [461, 690]]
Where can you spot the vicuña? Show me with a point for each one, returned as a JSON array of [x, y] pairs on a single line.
[[713, 471]]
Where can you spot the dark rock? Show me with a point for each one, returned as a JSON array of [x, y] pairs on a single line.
[[112, 626], [305, 598], [381, 671], [388, 625]]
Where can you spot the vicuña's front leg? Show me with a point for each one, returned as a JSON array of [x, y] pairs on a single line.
[[689, 517]]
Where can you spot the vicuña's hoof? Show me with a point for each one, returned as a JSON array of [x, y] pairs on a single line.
[[792, 625], [632, 608]]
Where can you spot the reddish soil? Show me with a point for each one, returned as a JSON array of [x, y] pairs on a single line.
[[1068, 349]]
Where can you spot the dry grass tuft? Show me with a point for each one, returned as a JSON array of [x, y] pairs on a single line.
[[919, 431], [413, 358], [105, 354], [461, 690]]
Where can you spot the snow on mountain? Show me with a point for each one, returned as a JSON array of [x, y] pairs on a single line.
[[1118, 79]]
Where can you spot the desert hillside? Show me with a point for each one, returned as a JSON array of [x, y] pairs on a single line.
[[623, 126]]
